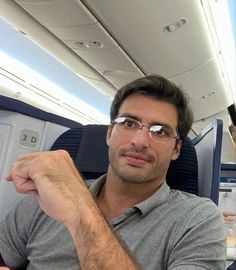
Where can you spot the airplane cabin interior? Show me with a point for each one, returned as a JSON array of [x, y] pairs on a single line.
[[61, 63]]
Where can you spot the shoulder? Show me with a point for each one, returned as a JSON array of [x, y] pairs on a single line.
[[191, 210], [199, 213], [25, 216], [26, 208], [27, 219], [191, 202]]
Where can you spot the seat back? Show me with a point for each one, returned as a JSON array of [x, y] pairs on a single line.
[[197, 170], [87, 147], [208, 145]]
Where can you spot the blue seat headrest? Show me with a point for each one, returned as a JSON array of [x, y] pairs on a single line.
[[87, 147]]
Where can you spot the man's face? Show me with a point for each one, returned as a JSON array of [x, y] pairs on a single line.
[[137, 158]]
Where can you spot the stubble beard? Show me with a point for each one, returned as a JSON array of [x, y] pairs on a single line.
[[131, 174], [129, 177]]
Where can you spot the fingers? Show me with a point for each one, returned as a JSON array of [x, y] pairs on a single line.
[[21, 180], [226, 214], [23, 185], [28, 172], [229, 216], [53, 178], [21, 173]]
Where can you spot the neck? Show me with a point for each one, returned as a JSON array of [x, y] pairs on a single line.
[[116, 194]]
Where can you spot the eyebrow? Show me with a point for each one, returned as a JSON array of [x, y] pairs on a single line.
[[166, 125]]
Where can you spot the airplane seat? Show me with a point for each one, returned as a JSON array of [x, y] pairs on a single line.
[[87, 147], [208, 146], [197, 170], [183, 172], [232, 266]]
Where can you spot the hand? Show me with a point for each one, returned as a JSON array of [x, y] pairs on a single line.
[[53, 178], [62, 194], [229, 216]]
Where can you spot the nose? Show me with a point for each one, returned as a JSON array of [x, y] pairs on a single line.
[[141, 139]]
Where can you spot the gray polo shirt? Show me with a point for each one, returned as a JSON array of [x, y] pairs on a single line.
[[169, 230]]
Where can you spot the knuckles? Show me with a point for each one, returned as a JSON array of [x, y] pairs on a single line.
[[61, 153], [35, 165]]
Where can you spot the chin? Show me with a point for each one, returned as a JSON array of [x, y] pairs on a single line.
[[133, 177], [132, 174]]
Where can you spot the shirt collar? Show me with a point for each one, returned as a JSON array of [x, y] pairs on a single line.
[[146, 206], [97, 185], [155, 200]]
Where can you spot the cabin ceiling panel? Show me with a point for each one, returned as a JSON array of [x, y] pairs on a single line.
[[96, 48], [17, 16], [108, 59], [58, 12], [118, 72], [131, 45], [102, 86], [207, 96], [200, 124], [153, 50]]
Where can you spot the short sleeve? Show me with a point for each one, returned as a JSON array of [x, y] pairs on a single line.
[[15, 230], [200, 239]]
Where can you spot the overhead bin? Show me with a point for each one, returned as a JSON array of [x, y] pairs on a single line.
[[27, 24], [110, 43]]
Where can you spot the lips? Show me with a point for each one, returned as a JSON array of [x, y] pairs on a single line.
[[136, 159]]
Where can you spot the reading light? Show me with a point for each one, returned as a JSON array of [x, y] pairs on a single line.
[[88, 44], [174, 26]]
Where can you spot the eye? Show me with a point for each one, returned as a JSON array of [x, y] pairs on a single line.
[[160, 131], [130, 123]]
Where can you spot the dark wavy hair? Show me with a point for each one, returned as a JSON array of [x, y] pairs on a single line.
[[162, 89]]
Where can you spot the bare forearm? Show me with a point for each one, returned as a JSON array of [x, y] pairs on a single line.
[[63, 196], [97, 246]]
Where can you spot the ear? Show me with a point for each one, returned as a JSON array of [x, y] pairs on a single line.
[[176, 151], [108, 137]]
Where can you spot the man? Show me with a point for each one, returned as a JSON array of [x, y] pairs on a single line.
[[130, 219]]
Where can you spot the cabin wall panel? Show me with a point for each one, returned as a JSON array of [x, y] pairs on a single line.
[[14, 128]]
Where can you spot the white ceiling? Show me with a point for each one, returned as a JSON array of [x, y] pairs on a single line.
[[110, 43]]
